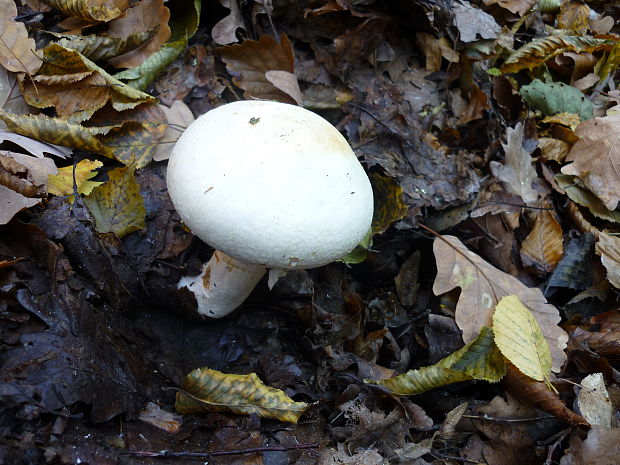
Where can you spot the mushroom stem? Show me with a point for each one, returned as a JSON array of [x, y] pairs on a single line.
[[223, 285]]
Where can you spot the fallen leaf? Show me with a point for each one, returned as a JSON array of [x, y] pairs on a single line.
[[556, 97], [62, 182], [541, 49], [205, 390], [17, 177], [12, 203], [572, 271], [596, 156], [574, 17], [17, 51], [99, 48], [519, 7], [250, 61], [518, 173], [143, 17], [520, 339], [553, 149], [154, 415], [435, 49], [593, 401], [482, 286], [479, 359], [35, 147], [473, 23], [225, 31], [178, 116], [537, 394], [389, 203], [543, 247], [601, 447], [608, 248], [91, 10], [572, 186], [117, 205]]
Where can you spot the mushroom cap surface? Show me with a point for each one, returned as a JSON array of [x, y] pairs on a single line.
[[270, 183]]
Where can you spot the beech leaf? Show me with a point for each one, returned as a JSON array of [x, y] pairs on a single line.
[[117, 205], [482, 286], [91, 10], [62, 182], [206, 390], [543, 247], [520, 339], [479, 359]]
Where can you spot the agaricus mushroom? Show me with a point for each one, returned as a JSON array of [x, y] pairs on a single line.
[[268, 185]]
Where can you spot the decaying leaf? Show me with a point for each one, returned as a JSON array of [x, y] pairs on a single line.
[[146, 16], [18, 176], [473, 23], [572, 271], [601, 447], [608, 247], [62, 183], [225, 31], [518, 173], [537, 394], [593, 401], [541, 49], [100, 48], [595, 158], [479, 359], [178, 116], [553, 149], [91, 10], [389, 203], [575, 191], [543, 247], [117, 205], [482, 286], [250, 61], [520, 340], [206, 390], [17, 51]]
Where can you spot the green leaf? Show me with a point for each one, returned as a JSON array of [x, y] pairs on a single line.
[[117, 206], [206, 390], [479, 359], [556, 97]]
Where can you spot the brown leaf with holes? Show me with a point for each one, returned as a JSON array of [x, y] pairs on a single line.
[[482, 286], [143, 17], [537, 394], [543, 247], [90, 10], [17, 51], [250, 61]]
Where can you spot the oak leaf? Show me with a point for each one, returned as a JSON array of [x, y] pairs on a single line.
[[482, 285], [225, 31], [595, 158], [17, 51]]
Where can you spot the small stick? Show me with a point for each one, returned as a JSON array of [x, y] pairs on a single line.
[[207, 455]]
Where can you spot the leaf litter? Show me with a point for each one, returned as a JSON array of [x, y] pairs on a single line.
[[479, 119]]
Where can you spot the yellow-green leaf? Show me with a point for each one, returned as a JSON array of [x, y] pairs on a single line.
[[92, 10], [520, 339], [479, 359], [117, 205], [206, 390], [62, 183], [541, 49], [389, 203]]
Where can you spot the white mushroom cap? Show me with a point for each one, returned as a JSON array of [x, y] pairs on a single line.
[[270, 183]]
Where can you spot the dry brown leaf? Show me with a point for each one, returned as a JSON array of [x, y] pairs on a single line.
[[596, 158], [145, 16], [225, 31], [537, 394], [473, 108], [90, 10], [100, 48], [249, 62], [39, 168], [543, 247], [553, 149], [608, 248], [518, 173], [12, 202], [519, 7], [17, 51], [178, 116], [435, 49], [482, 286], [601, 447], [574, 17], [35, 147], [17, 177]]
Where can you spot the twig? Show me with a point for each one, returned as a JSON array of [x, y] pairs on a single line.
[[207, 455]]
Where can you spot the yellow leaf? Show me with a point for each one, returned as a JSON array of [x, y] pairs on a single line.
[[117, 205], [206, 390], [389, 203], [479, 359], [62, 183], [520, 339]]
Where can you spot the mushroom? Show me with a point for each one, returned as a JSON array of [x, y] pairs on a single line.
[[268, 185]]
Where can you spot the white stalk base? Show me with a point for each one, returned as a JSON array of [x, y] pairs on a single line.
[[223, 285]]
